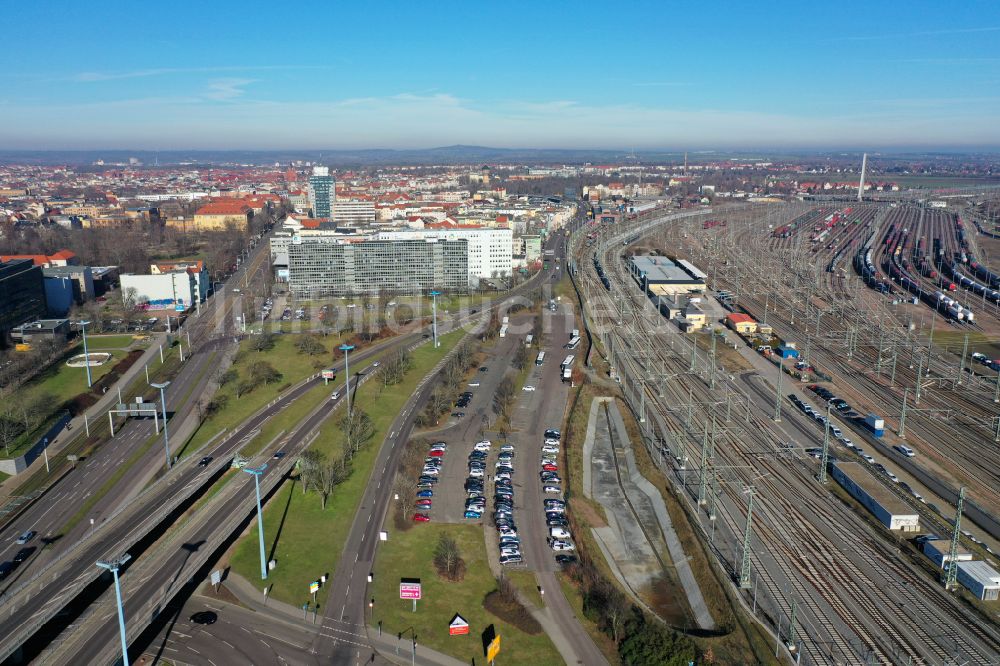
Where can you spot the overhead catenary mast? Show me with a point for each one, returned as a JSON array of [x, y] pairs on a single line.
[[864, 166]]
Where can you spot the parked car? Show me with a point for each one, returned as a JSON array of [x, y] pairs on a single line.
[[421, 518], [26, 537]]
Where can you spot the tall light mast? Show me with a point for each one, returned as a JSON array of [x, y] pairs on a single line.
[[864, 166]]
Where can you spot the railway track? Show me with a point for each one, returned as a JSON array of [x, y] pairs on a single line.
[[830, 592]]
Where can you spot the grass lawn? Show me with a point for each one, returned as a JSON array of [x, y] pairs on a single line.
[[98, 342], [410, 554], [305, 539], [63, 382], [286, 359]]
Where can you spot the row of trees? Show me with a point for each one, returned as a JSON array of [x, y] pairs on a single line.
[[450, 377], [20, 414], [322, 473], [17, 367]]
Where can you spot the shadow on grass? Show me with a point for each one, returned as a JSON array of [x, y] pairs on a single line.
[[284, 515]]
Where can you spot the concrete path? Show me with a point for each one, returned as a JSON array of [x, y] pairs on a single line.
[[638, 521]]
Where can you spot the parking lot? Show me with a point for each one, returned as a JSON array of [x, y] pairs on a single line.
[[461, 433]]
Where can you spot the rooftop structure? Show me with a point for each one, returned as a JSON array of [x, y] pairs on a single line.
[[660, 275]]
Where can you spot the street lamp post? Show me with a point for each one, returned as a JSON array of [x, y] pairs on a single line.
[[347, 372], [434, 311], [163, 403], [113, 566], [86, 356], [257, 471]]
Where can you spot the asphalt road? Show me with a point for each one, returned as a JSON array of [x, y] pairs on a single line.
[[49, 515]]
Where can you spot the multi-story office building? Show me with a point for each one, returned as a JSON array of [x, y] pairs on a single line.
[[353, 212], [22, 295], [324, 266], [322, 192], [490, 249]]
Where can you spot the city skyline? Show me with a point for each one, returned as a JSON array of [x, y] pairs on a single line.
[[644, 76]]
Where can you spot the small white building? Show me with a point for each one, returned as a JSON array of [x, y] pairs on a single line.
[[980, 578], [939, 552]]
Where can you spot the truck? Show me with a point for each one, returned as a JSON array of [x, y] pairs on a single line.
[[875, 424]]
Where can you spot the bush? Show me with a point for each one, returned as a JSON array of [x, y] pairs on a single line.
[[216, 405], [653, 644]]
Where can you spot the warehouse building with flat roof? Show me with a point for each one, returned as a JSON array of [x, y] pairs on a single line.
[[660, 276], [979, 578], [891, 511]]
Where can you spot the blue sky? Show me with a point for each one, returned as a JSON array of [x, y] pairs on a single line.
[[649, 75]]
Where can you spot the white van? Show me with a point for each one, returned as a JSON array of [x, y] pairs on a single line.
[[906, 451], [559, 533]]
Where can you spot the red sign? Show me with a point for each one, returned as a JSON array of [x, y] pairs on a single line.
[[458, 626], [409, 590]]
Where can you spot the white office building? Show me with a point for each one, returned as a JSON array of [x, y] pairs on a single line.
[[490, 249]]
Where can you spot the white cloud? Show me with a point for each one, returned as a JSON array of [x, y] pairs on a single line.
[[410, 120], [222, 90]]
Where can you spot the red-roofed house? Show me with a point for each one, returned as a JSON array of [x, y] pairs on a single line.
[[741, 323], [60, 258], [223, 213]]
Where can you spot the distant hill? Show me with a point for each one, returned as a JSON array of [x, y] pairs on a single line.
[[446, 155]]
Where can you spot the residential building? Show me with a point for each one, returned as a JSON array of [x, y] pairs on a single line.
[[170, 291], [22, 294], [219, 215], [327, 266], [322, 192], [60, 258], [532, 248], [196, 268]]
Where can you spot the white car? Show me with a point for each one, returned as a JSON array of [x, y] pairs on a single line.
[[528, 388], [474, 384], [551, 489], [476, 473], [376, 364], [551, 442], [867, 457], [550, 449], [559, 544], [507, 448], [548, 461]]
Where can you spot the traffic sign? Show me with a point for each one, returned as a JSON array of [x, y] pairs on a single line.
[[409, 588], [494, 649], [314, 587], [216, 577], [458, 626]]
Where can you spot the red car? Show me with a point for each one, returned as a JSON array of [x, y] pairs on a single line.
[[550, 468], [421, 518], [424, 502], [435, 453]]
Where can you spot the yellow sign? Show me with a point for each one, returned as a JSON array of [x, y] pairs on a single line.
[[493, 649], [313, 587]]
